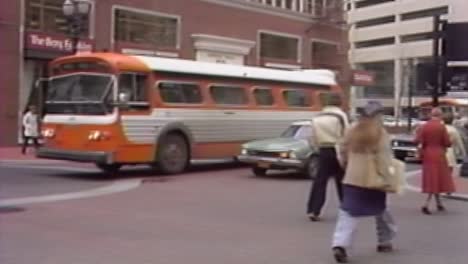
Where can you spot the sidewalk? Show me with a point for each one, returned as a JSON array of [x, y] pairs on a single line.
[[13, 154], [461, 186]]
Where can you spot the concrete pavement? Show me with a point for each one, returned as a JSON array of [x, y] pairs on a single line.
[[13, 154], [218, 216]]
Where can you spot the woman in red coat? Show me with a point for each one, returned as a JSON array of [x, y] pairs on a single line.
[[434, 141]]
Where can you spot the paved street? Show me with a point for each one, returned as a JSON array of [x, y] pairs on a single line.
[[220, 215]]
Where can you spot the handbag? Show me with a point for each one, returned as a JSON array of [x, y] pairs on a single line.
[[398, 179], [388, 178]]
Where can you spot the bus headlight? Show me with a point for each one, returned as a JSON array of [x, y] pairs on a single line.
[[94, 135], [48, 133], [284, 155], [244, 152], [97, 135]]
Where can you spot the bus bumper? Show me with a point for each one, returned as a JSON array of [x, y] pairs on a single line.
[[73, 155]]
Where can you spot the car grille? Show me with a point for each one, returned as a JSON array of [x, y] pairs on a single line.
[[404, 144], [264, 153]]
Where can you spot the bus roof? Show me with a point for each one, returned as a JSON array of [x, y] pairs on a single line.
[[446, 101], [318, 77]]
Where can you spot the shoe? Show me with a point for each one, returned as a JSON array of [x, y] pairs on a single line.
[[340, 255], [425, 210], [440, 208], [385, 248], [314, 218]]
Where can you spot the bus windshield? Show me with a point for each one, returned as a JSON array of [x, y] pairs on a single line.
[[79, 94]]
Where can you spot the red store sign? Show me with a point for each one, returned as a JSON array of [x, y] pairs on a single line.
[[363, 78], [47, 42]]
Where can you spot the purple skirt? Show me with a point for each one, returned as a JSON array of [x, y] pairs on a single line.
[[359, 201]]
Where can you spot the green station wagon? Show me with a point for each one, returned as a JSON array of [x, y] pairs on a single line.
[[291, 150]]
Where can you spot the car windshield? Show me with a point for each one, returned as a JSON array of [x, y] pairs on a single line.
[[79, 94], [298, 132]]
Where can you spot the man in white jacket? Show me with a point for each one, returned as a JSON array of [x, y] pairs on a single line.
[[30, 128], [328, 130]]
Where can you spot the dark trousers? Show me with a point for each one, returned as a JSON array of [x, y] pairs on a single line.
[[328, 167], [26, 143]]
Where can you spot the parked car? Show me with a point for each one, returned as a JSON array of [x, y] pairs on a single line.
[[404, 146], [291, 150], [391, 121]]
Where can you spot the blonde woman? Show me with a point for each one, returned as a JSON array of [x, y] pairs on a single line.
[[366, 155]]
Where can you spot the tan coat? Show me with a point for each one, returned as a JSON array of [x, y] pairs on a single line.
[[457, 146], [363, 168]]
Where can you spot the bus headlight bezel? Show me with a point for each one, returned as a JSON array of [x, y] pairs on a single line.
[[48, 132], [97, 135]]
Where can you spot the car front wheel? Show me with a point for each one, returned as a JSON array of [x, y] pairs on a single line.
[[311, 168], [259, 171], [400, 156]]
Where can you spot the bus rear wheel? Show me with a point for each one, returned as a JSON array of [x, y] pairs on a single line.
[[173, 154], [109, 168]]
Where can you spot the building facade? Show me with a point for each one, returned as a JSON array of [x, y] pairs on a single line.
[[389, 38], [288, 34]]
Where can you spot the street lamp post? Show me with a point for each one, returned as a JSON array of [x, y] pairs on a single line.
[[76, 11]]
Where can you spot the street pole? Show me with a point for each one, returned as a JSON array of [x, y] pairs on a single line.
[[76, 11], [435, 58], [410, 93], [76, 30]]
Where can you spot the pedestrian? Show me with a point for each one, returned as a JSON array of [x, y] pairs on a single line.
[[458, 147], [328, 129], [367, 156], [30, 128], [434, 141]]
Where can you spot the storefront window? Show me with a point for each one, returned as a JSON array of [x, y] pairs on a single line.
[[325, 55], [142, 28], [47, 16], [279, 47]]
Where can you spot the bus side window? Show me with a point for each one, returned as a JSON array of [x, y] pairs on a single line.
[[134, 84], [180, 93], [296, 98], [228, 95], [263, 96]]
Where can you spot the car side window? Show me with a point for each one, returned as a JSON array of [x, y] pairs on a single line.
[[304, 132]]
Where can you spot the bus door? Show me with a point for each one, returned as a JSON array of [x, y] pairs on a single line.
[[133, 92], [133, 95]]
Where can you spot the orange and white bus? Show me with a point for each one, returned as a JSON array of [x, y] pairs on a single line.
[[454, 106], [113, 109]]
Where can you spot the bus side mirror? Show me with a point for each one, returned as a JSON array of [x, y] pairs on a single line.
[[124, 98]]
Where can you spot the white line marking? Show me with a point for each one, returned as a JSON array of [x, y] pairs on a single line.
[[116, 187], [411, 174], [49, 167]]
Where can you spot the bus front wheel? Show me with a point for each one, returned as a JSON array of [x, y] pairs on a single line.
[[173, 154]]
